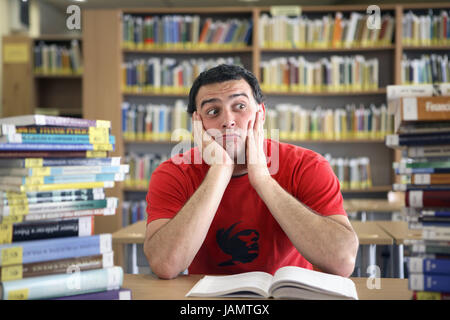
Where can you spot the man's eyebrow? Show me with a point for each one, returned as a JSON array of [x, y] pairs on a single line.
[[217, 99]]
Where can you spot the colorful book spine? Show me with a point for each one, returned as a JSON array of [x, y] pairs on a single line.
[[141, 168], [423, 282], [62, 170], [63, 284], [52, 138], [353, 173], [51, 196], [426, 139], [40, 208], [51, 130], [56, 186], [80, 227], [118, 294], [424, 295], [428, 266], [54, 249], [17, 155], [43, 120], [61, 179], [17, 272], [420, 198], [55, 146], [336, 74], [46, 162]]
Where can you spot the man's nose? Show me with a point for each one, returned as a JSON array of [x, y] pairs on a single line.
[[228, 120]]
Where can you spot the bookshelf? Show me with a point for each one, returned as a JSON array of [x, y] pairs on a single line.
[[41, 92], [103, 94]]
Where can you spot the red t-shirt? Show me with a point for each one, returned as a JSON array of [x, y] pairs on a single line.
[[243, 235]]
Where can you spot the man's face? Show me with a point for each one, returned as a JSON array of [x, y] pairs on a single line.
[[226, 109]]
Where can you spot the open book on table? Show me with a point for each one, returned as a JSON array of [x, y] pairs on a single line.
[[286, 283]]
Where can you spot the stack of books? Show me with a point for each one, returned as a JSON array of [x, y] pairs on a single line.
[[184, 32], [327, 32], [348, 122], [166, 76], [53, 171], [426, 182], [426, 30], [427, 69], [52, 59], [339, 73]]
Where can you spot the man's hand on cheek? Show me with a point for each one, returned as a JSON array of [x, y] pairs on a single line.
[[212, 152], [258, 172]]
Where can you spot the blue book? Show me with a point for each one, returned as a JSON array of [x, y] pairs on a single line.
[[53, 162], [424, 282], [421, 170], [50, 138], [60, 285], [100, 177], [51, 147], [429, 266], [54, 249]]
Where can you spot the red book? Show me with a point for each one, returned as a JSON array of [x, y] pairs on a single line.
[[421, 198]]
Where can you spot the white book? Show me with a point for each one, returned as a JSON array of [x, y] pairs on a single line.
[[287, 282]]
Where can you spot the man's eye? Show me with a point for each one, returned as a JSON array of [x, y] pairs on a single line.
[[211, 112], [240, 106]]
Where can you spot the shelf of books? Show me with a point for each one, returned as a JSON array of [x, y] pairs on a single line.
[[53, 173], [324, 74], [422, 132]]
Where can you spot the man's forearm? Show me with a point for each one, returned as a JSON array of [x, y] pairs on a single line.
[[325, 243], [173, 247]]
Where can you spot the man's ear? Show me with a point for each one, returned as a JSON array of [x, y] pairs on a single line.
[[262, 107]]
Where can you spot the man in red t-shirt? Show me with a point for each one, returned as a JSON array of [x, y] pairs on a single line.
[[238, 202]]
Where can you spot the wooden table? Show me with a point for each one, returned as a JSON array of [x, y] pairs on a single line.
[[149, 287], [372, 205], [400, 232]]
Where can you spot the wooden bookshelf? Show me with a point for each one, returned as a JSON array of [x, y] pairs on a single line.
[[104, 54]]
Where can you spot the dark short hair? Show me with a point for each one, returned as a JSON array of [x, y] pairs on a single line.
[[222, 73]]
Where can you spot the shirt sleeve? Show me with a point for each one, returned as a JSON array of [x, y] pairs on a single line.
[[166, 193], [319, 188]]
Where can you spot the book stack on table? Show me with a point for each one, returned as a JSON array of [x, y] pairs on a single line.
[[422, 126], [53, 172]]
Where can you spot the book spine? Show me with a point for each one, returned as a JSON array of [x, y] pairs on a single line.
[[119, 294], [54, 249], [17, 272], [425, 266], [13, 155], [424, 108], [63, 284], [420, 198], [50, 194], [55, 147], [59, 215], [51, 130], [69, 198], [63, 170], [434, 178], [58, 186], [421, 282], [424, 295], [80, 227], [59, 206], [31, 138]]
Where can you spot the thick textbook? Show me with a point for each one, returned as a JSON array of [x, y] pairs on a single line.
[[54, 249], [63, 170], [433, 282], [62, 284], [29, 270], [429, 266], [43, 120], [420, 198], [425, 139], [79, 227], [33, 138], [55, 147], [118, 294], [58, 162], [56, 186], [287, 282]]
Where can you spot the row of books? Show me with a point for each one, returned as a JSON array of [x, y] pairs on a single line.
[[133, 211], [339, 73], [184, 32], [427, 189], [167, 75], [326, 32], [425, 30], [353, 173], [348, 122], [47, 208], [155, 122], [427, 69], [141, 168], [52, 59]]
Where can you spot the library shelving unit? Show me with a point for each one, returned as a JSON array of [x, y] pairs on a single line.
[[104, 53], [27, 91]]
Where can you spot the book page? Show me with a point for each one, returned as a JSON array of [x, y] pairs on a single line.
[[213, 286], [315, 281]]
